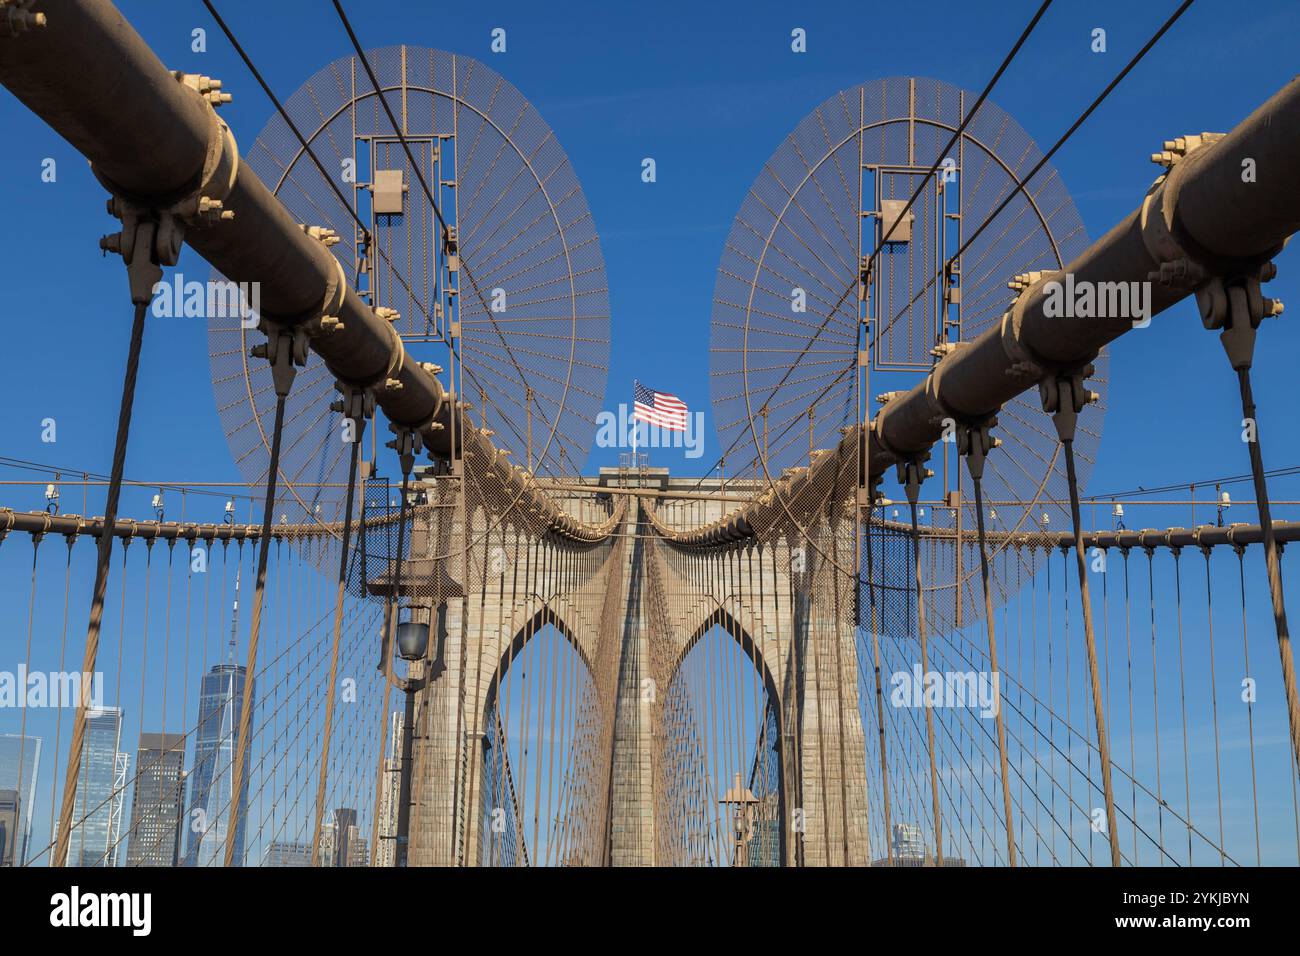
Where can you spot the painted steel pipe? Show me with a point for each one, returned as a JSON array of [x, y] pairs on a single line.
[[1202, 207], [150, 136], [1202, 204]]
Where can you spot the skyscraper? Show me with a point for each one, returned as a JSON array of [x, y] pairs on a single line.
[[389, 795], [328, 845], [9, 842], [285, 853], [101, 786], [345, 831], [20, 761], [211, 807], [158, 801], [358, 853]]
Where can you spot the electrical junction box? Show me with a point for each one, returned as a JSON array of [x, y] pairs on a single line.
[[890, 212], [389, 192]]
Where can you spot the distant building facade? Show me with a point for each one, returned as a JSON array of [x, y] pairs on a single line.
[[358, 853], [212, 808], [10, 828], [907, 847], [101, 791], [20, 761], [285, 853], [157, 802], [345, 831], [390, 793], [328, 849]]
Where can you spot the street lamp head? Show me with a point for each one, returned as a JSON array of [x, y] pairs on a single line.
[[412, 640]]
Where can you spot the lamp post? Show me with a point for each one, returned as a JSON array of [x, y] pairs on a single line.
[[1225, 501], [413, 647], [740, 797]]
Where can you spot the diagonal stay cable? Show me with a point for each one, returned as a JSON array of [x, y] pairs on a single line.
[[1083, 117], [419, 175], [311, 154], [293, 127], [961, 128]]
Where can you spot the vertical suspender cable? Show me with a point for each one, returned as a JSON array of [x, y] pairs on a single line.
[[914, 472], [1090, 638], [338, 627], [1063, 398], [255, 627], [402, 843], [977, 444], [77, 742], [1236, 307], [880, 698], [1273, 566]]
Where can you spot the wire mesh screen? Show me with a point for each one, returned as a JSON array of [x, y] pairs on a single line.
[[791, 312], [513, 268]]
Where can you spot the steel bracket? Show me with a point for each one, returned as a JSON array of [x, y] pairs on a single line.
[[1064, 397], [408, 443], [142, 245], [16, 17], [357, 404], [1235, 306], [285, 348], [911, 474], [974, 443]]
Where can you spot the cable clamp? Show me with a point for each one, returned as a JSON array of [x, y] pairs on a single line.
[[285, 348], [16, 17], [1064, 397]]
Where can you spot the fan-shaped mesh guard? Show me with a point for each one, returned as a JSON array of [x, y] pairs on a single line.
[[798, 229], [527, 245]]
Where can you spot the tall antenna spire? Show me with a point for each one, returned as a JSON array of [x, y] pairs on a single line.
[[234, 619]]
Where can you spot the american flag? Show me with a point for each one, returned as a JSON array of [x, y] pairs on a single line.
[[659, 408]]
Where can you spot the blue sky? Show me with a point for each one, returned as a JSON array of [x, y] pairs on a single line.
[[708, 93], [708, 90]]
